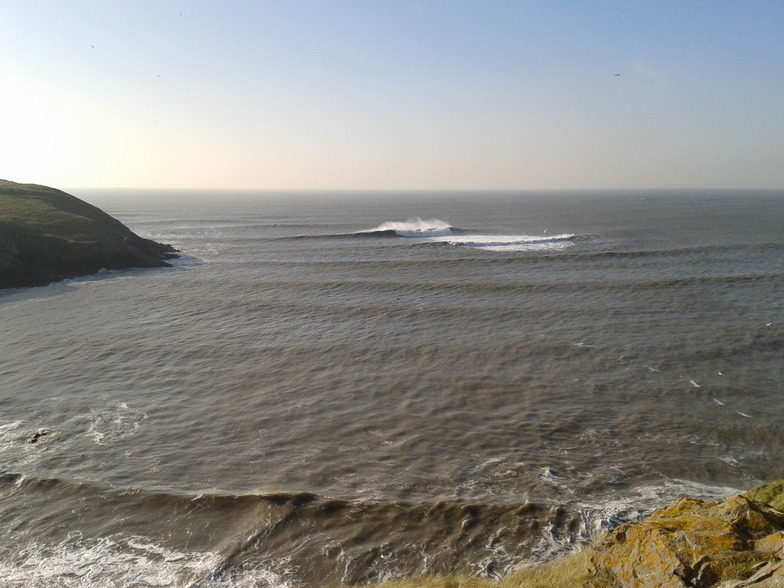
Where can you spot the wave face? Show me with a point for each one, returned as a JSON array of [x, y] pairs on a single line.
[[318, 392]]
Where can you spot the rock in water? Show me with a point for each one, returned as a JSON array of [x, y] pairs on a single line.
[[732, 542], [47, 235]]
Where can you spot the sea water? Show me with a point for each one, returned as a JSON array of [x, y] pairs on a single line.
[[349, 387]]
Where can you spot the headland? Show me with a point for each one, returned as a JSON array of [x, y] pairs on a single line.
[[47, 235]]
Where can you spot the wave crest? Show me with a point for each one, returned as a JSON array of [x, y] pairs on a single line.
[[414, 227]]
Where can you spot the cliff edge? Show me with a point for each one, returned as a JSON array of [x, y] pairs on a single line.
[[47, 235]]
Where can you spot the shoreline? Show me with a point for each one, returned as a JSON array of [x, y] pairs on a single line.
[[736, 542]]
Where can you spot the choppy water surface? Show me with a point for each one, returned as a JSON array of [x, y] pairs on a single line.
[[334, 387]]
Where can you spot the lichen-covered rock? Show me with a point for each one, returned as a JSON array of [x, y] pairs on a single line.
[[770, 544], [691, 543]]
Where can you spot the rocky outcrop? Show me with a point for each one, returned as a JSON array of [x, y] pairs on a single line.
[[733, 543], [47, 235]]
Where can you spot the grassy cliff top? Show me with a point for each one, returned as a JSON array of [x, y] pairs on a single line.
[[53, 212]]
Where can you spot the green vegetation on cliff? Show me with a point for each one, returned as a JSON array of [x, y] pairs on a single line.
[[47, 235], [771, 494]]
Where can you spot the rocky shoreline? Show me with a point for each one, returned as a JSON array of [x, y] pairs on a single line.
[[47, 235], [737, 542]]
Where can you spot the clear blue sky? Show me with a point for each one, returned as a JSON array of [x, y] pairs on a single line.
[[392, 94]]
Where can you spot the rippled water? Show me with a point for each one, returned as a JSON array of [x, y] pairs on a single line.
[[350, 387]]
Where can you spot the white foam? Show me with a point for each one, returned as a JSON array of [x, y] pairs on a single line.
[[438, 231], [8, 434], [508, 243], [119, 422], [11, 425], [415, 227], [598, 518], [125, 561]]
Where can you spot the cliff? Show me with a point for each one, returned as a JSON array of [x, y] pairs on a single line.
[[47, 235]]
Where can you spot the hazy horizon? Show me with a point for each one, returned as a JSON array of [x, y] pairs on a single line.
[[393, 95], [349, 191]]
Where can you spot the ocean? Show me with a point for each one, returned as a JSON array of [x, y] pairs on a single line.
[[334, 387]]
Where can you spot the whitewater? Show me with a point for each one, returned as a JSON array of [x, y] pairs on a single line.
[[438, 231]]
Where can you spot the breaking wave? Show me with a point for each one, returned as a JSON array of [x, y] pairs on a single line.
[[415, 227], [439, 231], [283, 539]]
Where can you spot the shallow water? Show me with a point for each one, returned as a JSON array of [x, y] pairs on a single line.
[[349, 387]]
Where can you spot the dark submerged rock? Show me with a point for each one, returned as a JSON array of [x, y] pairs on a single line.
[[37, 435], [47, 235]]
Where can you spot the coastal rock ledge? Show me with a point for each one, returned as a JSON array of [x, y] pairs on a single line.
[[47, 235], [737, 542]]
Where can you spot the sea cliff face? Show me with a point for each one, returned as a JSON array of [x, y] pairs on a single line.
[[47, 235]]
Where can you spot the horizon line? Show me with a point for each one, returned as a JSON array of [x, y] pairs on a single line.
[[421, 190]]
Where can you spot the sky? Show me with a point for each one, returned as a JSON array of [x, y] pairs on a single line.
[[397, 94]]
